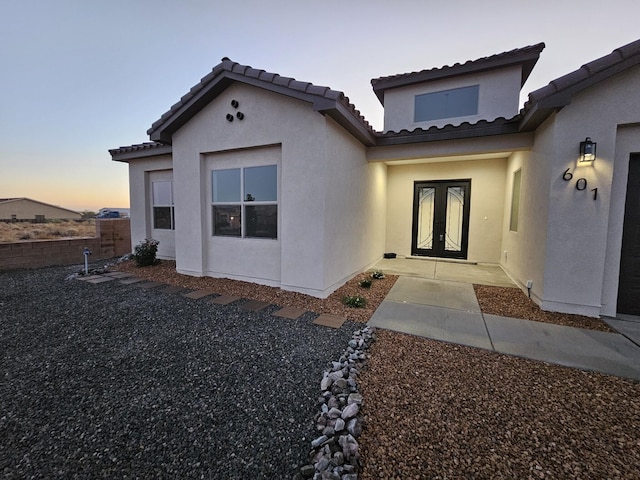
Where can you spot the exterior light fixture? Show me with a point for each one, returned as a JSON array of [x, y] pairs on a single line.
[[587, 150]]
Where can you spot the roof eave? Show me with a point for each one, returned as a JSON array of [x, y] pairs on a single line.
[[163, 130], [126, 154], [346, 119], [527, 59], [497, 127]]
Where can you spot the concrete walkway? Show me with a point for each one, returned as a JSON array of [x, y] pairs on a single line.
[[448, 310]]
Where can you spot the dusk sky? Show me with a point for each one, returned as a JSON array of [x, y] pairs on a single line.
[[81, 76]]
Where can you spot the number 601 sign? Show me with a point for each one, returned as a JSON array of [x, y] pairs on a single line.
[[581, 183]]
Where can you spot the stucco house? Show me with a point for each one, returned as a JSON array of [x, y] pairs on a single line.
[[264, 178], [26, 209]]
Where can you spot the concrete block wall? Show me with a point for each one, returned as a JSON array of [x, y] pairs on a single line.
[[113, 239]]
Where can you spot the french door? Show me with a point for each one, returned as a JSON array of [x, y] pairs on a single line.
[[441, 218], [629, 286]]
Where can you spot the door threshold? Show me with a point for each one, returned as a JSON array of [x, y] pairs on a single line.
[[441, 259]]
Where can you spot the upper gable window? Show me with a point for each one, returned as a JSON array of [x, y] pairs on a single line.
[[457, 102]]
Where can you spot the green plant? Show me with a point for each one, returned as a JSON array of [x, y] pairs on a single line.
[[377, 274], [145, 253], [366, 283], [354, 301]]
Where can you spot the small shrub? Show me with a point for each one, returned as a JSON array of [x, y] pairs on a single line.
[[145, 253], [366, 283], [377, 275], [354, 301]]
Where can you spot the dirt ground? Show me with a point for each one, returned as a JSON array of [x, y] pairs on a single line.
[[509, 302], [51, 230]]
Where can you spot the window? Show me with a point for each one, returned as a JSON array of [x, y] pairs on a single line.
[[515, 201], [245, 202], [163, 214], [457, 102]]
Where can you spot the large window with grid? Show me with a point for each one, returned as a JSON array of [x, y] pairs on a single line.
[[245, 202]]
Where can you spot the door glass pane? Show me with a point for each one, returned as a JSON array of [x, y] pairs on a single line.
[[261, 184], [426, 204], [453, 222], [226, 185]]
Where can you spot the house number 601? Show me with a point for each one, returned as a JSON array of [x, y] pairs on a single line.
[[581, 183]]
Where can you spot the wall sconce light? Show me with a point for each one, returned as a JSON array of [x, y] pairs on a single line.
[[587, 150]]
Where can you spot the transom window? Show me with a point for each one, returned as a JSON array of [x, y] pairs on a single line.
[[457, 102], [163, 211], [245, 202]]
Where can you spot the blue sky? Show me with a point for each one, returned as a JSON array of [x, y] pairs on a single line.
[[81, 76]]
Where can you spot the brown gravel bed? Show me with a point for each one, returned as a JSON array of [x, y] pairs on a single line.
[[512, 302], [166, 272], [442, 411]]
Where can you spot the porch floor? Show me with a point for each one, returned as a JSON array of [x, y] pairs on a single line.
[[456, 271]]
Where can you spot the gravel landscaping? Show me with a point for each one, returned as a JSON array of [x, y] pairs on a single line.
[[114, 381], [441, 411]]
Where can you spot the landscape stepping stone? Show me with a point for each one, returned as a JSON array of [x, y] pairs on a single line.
[[254, 306], [100, 279], [89, 277], [172, 289], [129, 281], [198, 294], [151, 285], [329, 320], [291, 313], [119, 274], [224, 299]]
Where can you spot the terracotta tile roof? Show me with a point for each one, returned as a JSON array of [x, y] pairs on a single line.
[[325, 100], [526, 56], [558, 92], [147, 149], [482, 128]]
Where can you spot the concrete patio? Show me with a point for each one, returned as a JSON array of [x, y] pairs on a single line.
[[435, 299]]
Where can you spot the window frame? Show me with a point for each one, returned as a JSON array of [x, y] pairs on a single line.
[[516, 189], [448, 97], [170, 205], [243, 203]]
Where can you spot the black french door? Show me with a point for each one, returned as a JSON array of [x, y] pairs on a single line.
[[629, 285], [441, 218]]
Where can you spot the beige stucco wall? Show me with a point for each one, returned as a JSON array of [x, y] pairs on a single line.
[[498, 96], [316, 160], [523, 251], [582, 233], [141, 172], [487, 203], [241, 258], [26, 209], [354, 208]]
